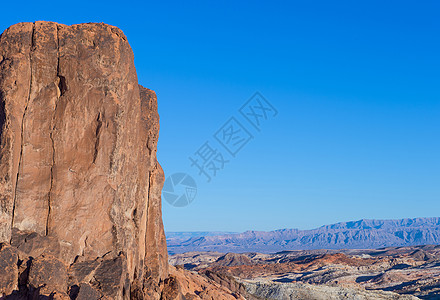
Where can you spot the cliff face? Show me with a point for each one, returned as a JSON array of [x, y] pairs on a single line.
[[79, 181]]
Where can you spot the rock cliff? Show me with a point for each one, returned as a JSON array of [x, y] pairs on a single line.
[[80, 208]]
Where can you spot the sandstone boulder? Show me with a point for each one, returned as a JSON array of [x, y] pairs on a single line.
[[48, 275], [8, 270], [86, 292]]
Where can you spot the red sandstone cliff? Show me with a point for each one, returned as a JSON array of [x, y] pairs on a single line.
[[79, 181], [80, 186]]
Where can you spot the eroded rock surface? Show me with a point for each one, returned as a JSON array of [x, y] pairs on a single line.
[[79, 181], [9, 270], [385, 273]]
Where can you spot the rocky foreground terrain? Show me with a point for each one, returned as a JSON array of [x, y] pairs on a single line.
[[362, 234], [387, 273], [80, 206]]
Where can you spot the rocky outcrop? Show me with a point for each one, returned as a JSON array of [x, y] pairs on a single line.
[[9, 270], [303, 291], [195, 287], [231, 260], [325, 274], [80, 209]]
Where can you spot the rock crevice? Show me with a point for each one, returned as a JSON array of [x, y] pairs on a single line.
[[31, 47]]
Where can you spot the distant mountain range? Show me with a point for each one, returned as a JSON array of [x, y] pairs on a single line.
[[362, 234]]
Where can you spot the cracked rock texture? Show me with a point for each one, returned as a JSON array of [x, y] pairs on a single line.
[[80, 209]]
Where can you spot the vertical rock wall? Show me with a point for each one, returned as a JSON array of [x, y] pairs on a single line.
[[79, 180]]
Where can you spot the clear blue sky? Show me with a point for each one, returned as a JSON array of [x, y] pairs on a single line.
[[356, 85]]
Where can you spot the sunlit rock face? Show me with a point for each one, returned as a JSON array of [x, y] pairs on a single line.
[[79, 181]]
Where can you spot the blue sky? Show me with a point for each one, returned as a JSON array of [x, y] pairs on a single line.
[[355, 83]]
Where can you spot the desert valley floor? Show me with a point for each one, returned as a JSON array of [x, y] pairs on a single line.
[[386, 273]]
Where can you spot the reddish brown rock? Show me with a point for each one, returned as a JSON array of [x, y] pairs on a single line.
[[31, 244], [232, 259], [8, 270], [79, 178], [86, 292], [48, 275], [111, 277], [195, 286], [59, 296], [172, 289]]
